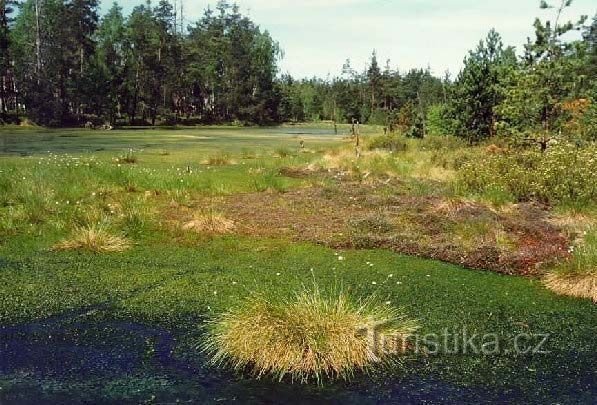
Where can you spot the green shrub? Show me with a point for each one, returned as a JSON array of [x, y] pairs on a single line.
[[434, 142], [389, 142], [589, 123], [438, 122], [378, 117], [564, 173]]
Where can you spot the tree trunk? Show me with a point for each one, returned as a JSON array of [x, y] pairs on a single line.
[[37, 42]]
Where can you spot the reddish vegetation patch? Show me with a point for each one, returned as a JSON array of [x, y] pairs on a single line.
[[379, 215]]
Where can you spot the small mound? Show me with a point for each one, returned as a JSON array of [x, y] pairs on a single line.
[[573, 284], [210, 223], [308, 338], [220, 159], [94, 239]]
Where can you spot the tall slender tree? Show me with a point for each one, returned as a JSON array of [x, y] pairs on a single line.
[[7, 8]]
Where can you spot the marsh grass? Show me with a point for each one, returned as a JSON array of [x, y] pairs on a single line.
[[412, 162], [136, 215], [95, 238], [269, 180], [470, 234], [283, 152], [578, 276], [219, 159], [310, 337], [247, 153], [128, 158]]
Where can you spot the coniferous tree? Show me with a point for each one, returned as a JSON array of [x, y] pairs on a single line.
[[476, 93], [7, 8], [109, 67], [534, 95], [374, 78]]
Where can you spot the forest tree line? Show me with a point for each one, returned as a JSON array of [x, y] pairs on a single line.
[[61, 64]]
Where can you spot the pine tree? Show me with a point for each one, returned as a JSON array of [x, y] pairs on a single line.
[[79, 42], [477, 88], [375, 78], [7, 8], [534, 96], [109, 66]]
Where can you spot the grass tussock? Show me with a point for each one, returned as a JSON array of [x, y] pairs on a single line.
[[210, 223], [574, 285], [408, 162], [578, 276], [94, 239], [308, 338], [219, 159], [376, 223], [128, 158], [574, 223], [282, 153]]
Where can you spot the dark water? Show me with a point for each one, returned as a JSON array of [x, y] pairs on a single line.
[[28, 143], [308, 131], [80, 358]]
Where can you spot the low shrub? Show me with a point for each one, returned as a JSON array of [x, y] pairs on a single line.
[[445, 142], [307, 338], [375, 223], [452, 159], [392, 143], [563, 173]]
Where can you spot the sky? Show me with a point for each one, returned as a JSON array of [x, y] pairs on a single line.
[[317, 36]]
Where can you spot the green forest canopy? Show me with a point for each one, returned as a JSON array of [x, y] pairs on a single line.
[[62, 64]]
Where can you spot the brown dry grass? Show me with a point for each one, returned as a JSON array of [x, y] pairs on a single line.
[[574, 223], [450, 207], [573, 284], [520, 241], [220, 159], [577, 276], [210, 223], [94, 239], [308, 338]]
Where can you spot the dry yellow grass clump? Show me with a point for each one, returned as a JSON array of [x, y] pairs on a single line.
[[95, 239], [220, 159], [307, 338], [578, 276], [573, 284], [210, 223]]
